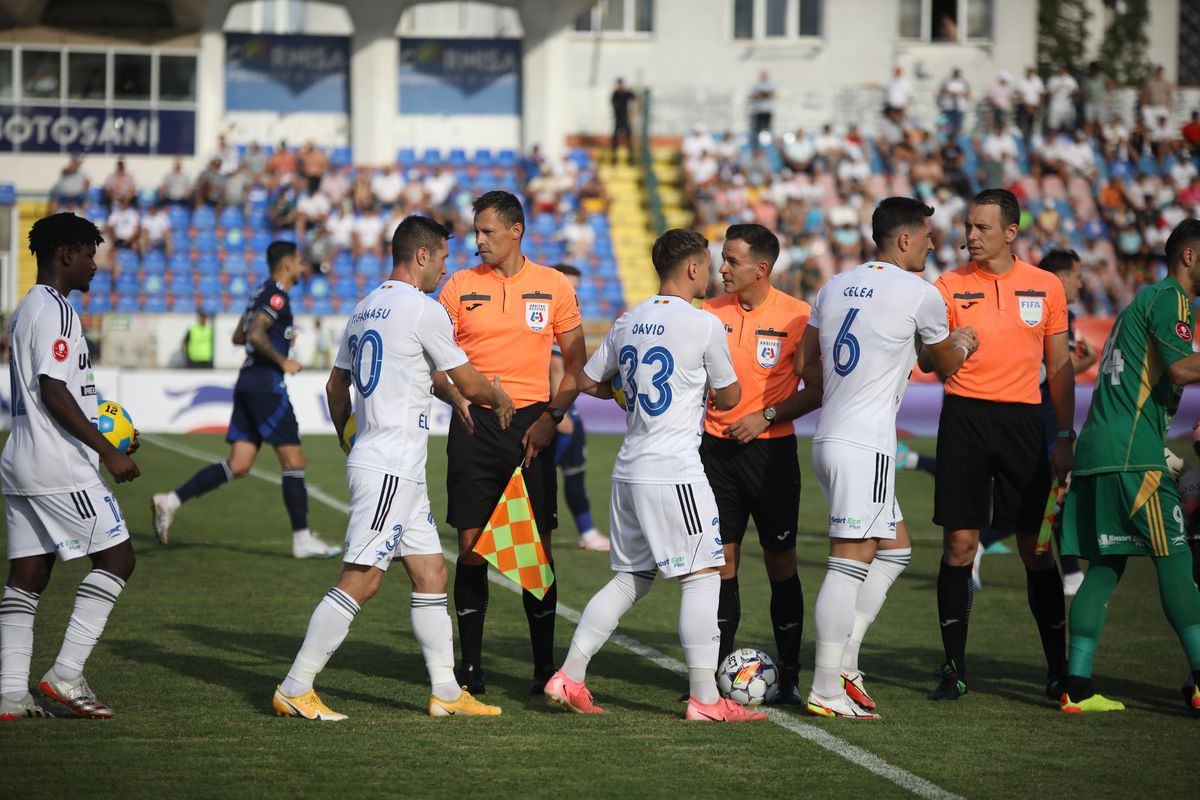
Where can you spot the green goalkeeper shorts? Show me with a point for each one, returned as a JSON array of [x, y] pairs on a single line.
[[1123, 514]]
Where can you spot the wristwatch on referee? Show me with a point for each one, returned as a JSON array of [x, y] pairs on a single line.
[[769, 413], [556, 414], [1068, 435]]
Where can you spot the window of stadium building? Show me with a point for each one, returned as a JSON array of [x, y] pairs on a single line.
[[618, 16], [776, 19], [97, 75], [946, 20]]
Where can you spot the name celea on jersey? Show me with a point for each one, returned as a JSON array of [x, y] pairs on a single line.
[[371, 313], [858, 291], [648, 329]]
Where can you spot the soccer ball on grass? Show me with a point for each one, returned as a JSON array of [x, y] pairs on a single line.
[[749, 677]]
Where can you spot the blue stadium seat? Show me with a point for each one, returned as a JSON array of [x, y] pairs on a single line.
[[179, 216], [155, 263], [368, 265], [431, 157], [321, 306], [234, 304], [179, 263], [99, 302], [204, 219], [147, 198], [286, 235], [341, 157], [184, 304], [346, 290], [235, 264], [209, 286], [406, 157], [234, 239], [507, 158], [457, 157], [97, 214], [343, 264], [484, 158], [8, 194], [231, 217], [75, 299], [127, 260], [101, 282], [154, 285], [260, 240], [95, 195], [127, 304], [207, 264], [545, 223], [180, 240], [182, 284], [205, 242], [127, 283], [155, 305], [211, 303], [319, 288]]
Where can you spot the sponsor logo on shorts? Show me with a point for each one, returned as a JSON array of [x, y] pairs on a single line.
[[677, 561], [115, 531], [68, 544], [1111, 540], [853, 523], [60, 350]]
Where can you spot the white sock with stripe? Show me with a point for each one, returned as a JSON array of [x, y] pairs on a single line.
[[884, 570], [17, 610], [94, 601], [699, 634], [327, 630], [600, 619], [834, 616], [435, 633]]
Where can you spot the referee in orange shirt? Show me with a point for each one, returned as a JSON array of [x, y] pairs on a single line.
[[749, 452], [991, 450], [507, 314]]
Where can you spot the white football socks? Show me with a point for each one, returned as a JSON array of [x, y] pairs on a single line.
[[600, 619], [885, 569], [834, 616], [94, 601], [327, 630], [17, 609], [699, 634], [435, 634]]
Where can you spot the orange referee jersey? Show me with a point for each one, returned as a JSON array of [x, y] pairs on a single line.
[[1013, 314], [763, 344], [506, 326]]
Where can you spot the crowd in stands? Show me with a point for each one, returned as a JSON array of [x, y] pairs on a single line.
[[1110, 188], [196, 242]]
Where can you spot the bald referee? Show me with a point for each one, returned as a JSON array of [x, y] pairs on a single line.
[[991, 450]]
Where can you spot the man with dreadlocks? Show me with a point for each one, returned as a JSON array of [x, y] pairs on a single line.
[[55, 500]]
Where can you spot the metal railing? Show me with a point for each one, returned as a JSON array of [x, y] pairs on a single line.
[[653, 199]]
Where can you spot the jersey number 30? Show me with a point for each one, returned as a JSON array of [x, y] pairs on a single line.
[[370, 347], [659, 381]]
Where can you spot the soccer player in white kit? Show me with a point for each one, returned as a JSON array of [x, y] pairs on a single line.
[[865, 328], [56, 502], [663, 515], [395, 340]]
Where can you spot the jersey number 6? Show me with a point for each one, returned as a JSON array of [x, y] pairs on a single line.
[[846, 344]]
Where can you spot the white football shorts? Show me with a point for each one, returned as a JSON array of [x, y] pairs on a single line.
[[73, 524], [673, 528], [860, 487], [389, 518]]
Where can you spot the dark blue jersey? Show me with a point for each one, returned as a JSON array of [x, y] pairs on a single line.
[[258, 372]]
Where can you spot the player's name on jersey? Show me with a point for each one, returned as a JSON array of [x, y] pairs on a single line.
[[371, 313], [647, 329], [858, 291]]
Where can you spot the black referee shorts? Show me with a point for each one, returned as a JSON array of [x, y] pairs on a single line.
[[759, 480], [991, 455], [479, 466]]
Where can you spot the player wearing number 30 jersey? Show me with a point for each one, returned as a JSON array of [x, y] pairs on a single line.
[[662, 514], [395, 340]]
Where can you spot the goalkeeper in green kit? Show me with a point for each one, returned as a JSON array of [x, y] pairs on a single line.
[[1122, 500]]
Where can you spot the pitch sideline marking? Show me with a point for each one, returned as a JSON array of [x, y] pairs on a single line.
[[852, 753]]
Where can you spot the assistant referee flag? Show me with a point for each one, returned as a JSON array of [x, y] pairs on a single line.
[[511, 543]]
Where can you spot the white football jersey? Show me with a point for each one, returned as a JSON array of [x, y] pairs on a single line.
[[668, 353], [395, 339], [46, 338], [870, 320]]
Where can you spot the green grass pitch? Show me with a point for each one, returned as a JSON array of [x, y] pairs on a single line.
[[209, 625]]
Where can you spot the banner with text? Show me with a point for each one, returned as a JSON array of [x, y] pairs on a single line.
[[73, 129], [287, 73], [460, 76]]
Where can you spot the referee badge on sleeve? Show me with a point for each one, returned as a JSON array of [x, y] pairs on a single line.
[[767, 352], [536, 315], [1031, 311]]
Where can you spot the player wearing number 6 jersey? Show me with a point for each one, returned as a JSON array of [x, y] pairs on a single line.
[[663, 516], [861, 345], [56, 502], [1122, 501], [396, 338]]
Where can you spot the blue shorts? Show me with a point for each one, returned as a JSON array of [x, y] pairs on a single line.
[[569, 451], [262, 417]]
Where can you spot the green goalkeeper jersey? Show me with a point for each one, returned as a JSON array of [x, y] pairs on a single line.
[[1127, 423]]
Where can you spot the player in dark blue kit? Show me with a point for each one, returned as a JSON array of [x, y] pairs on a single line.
[[262, 411]]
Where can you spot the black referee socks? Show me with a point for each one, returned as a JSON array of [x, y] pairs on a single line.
[[470, 605], [787, 620], [1049, 610], [541, 615], [954, 595]]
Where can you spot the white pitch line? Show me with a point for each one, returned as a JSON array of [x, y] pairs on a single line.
[[852, 753]]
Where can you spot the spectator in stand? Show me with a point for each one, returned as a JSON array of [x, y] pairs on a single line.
[[593, 196], [1157, 98], [176, 186], [386, 186], [283, 165], [1191, 135], [531, 164], [1060, 113], [1000, 98], [829, 146], [124, 225], [283, 213], [335, 185], [622, 100], [798, 151], [70, 190], [897, 93], [1031, 91], [954, 98], [257, 162], [313, 165], [119, 186], [999, 151], [578, 238], [210, 185], [156, 229], [312, 209], [237, 186], [227, 154], [340, 227], [1096, 89], [762, 105], [368, 233]]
